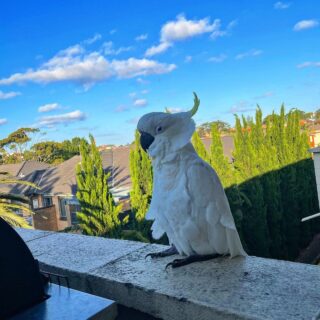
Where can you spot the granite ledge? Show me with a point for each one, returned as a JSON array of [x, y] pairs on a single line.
[[239, 288]]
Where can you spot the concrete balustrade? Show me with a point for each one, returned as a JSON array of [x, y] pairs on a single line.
[[239, 288]]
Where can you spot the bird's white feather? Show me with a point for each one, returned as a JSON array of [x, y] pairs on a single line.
[[190, 206], [188, 201]]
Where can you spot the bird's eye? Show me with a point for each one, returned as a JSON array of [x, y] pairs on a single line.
[[158, 129]]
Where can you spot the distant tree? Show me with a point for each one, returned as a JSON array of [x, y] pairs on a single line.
[[54, 152], [205, 128], [46, 151], [17, 143], [99, 215], [71, 147]]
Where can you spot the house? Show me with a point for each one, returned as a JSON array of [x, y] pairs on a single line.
[[55, 204], [314, 135]]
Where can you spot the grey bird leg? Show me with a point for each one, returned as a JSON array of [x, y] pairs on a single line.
[[166, 253], [190, 259]]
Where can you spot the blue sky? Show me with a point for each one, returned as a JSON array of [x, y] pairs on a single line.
[[74, 67]]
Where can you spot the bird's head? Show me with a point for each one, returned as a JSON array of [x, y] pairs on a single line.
[[162, 132]]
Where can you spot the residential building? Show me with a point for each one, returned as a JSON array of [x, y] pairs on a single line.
[[55, 203]]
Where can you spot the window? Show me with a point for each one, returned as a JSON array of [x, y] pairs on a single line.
[[74, 208], [35, 203], [47, 201], [63, 213]]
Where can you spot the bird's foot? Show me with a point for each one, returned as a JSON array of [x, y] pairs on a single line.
[[190, 259], [166, 253]]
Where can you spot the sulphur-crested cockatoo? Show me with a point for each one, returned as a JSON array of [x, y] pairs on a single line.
[[188, 201]]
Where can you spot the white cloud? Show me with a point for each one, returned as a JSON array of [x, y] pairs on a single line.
[[140, 102], [308, 64], [108, 49], [251, 53], [49, 107], [182, 29], [161, 47], [132, 94], [142, 37], [145, 91], [113, 31], [95, 38], [89, 68], [305, 24], [133, 67], [218, 32], [281, 5], [64, 118], [76, 65], [220, 58], [3, 121], [8, 95]]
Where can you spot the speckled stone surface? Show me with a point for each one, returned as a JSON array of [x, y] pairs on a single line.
[[239, 288], [29, 234], [80, 253]]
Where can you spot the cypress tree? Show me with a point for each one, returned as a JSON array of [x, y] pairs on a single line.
[[218, 160], [141, 177], [255, 228], [99, 216], [199, 147], [271, 180]]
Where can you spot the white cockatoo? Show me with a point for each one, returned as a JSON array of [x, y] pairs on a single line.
[[188, 201]]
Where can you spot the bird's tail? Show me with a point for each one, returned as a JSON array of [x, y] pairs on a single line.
[[234, 243]]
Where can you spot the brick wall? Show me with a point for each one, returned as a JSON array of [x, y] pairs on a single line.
[[45, 219]]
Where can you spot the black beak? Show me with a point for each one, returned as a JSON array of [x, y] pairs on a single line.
[[146, 140]]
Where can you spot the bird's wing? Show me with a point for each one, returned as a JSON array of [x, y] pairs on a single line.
[[208, 196], [211, 211]]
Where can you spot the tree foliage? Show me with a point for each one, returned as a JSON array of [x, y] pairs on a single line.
[[200, 147], [205, 128], [99, 215], [17, 147], [276, 174], [11, 203], [17, 144], [141, 178], [55, 152]]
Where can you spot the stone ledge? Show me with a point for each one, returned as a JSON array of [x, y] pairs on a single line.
[[240, 288]]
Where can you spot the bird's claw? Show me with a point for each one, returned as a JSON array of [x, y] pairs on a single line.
[[153, 255], [172, 264]]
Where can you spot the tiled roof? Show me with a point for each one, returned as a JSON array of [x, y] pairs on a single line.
[[30, 171], [12, 169], [62, 178]]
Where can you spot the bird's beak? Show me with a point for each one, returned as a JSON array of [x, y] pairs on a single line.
[[146, 140]]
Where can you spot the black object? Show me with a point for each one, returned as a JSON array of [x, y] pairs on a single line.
[[21, 283], [146, 140]]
